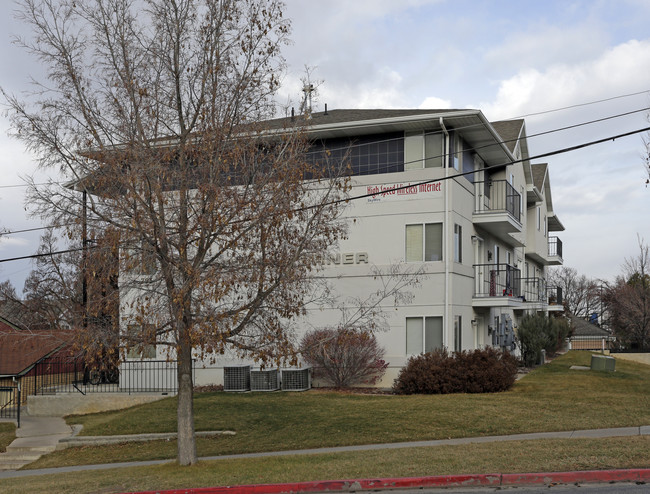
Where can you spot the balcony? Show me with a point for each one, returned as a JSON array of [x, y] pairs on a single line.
[[498, 209], [555, 251], [497, 285], [555, 301]]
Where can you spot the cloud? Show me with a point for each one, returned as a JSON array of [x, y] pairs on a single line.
[[619, 70], [435, 103]]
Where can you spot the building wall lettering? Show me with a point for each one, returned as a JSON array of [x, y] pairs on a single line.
[[340, 258], [388, 190]]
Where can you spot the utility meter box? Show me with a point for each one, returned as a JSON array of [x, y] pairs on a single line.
[[603, 363]]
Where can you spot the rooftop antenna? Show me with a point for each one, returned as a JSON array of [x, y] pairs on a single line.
[[308, 89]]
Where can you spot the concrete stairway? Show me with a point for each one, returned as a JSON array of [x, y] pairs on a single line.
[[36, 437]]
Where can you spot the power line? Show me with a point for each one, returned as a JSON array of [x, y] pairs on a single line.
[[559, 129], [417, 184]]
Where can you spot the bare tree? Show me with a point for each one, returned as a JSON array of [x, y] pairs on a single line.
[[628, 300], [581, 295], [151, 111]]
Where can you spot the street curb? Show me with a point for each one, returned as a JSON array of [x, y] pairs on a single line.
[[482, 480]]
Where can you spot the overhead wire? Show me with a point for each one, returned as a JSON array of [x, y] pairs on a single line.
[[402, 187]]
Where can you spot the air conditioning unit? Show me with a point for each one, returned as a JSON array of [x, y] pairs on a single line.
[[237, 378], [265, 380], [296, 379]]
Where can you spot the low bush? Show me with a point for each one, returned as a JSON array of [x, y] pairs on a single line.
[[344, 357], [439, 372]]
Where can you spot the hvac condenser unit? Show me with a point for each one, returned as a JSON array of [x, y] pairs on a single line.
[[237, 378], [296, 379], [265, 380]]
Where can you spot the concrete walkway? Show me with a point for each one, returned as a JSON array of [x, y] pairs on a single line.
[[35, 437], [39, 435]]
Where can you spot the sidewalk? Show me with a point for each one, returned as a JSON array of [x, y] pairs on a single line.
[[47, 431], [35, 437]]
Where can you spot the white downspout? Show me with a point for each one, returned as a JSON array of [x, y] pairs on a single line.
[[445, 340]]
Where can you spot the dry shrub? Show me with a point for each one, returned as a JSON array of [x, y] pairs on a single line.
[[344, 357]]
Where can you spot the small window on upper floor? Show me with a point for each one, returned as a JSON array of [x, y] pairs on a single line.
[[458, 243], [456, 158], [539, 218]]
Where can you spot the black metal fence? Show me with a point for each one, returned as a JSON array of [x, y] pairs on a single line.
[[10, 402], [501, 196], [65, 375], [497, 280]]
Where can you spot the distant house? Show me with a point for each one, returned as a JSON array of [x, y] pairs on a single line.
[[588, 336], [21, 350]]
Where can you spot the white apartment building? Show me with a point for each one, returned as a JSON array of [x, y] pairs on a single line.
[[449, 194]]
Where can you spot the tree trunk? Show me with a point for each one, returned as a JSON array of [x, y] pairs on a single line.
[[185, 410]]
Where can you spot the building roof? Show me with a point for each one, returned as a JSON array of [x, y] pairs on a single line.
[[584, 328], [21, 349], [510, 131], [539, 175]]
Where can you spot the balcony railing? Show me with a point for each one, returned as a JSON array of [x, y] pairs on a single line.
[[497, 280], [554, 295], [554, 247], [500, 196], [533, 289]]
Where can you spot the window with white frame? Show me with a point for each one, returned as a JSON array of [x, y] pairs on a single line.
[[539, 218], [424, 242], [545, 227], [457, 153], [141, 349], [458, 333], [423, 334], [458, 243]]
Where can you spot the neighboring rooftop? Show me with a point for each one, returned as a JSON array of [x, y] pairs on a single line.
[[21, 349]]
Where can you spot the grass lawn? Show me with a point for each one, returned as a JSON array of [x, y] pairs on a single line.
[[7, 435], [551, 398], [507, 457]]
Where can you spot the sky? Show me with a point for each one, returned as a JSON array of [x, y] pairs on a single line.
[[555, 63]]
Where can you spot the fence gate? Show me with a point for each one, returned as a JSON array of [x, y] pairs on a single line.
[[10, 402]]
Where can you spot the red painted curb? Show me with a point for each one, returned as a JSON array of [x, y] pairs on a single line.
[[495, 479], [630, 475], [346, 485]]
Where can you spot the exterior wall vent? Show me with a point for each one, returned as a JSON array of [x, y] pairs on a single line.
[[265, 380], [296, 379], [237, 378]]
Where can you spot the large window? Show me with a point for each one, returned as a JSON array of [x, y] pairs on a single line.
[[366, 155], [458, 243], [424, 242], [423, 334]]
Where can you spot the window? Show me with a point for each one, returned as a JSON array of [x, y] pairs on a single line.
[[424, 242], [545, 231], [458, 333], [433, 152], [458, 243], [141, 334], [142, 352], [147, 263], [423, 334], [457, 153], [422, 150], [539, 217]]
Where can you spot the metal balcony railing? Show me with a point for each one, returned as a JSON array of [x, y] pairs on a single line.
[[497, 280], [554, 247], [500, 196], [554, 295], [533, 289]]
